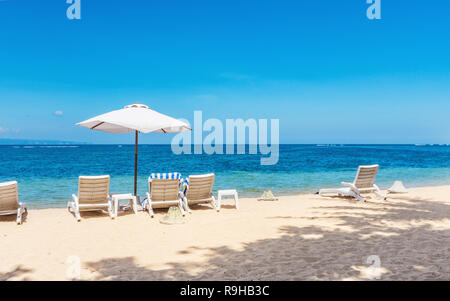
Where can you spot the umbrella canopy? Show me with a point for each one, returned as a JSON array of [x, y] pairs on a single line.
[[135, 118]]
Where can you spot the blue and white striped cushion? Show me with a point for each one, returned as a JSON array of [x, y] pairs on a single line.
[[169, 176]]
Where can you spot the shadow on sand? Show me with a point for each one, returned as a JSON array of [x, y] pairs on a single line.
[[411, 237], [17, 272], [417, 251]]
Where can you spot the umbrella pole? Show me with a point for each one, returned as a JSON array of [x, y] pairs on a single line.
[[135, 162]]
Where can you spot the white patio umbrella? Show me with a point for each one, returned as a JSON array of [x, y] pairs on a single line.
[[136, 118]]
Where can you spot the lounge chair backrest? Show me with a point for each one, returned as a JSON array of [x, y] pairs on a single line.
[[93, 190], [200, 187], [164, 189], [366, 175], [9, 197]]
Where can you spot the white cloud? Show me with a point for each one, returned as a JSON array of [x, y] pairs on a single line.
[[58, 113], [9, 130]]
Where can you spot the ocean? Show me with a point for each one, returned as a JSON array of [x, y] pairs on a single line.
[[48, 175]]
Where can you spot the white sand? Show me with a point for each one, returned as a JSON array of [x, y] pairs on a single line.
[[303, 237]]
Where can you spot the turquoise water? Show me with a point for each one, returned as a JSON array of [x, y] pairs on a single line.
[[48, 175]]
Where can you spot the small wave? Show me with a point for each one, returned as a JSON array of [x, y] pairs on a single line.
[[59, 146], [330, 145]]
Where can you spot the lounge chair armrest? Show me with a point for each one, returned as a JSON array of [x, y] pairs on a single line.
[[351, 185], [146, 200], [75, 198], [185, 188], [378, 192]]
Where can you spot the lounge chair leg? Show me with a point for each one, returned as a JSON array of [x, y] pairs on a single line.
[[214, 203], [111, 211], [73, 209], [219, 199], [19, 215], [147, 205], [135, 209], [180, 205], [360, 197], [150, 210], [77, 215], [186, 206], [379, 194], [354, 195]]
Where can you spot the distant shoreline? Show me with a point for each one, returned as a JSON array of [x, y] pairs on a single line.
[[24, 142]]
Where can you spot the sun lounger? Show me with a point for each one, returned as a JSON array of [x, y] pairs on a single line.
[[198, 190], [9, 201], [363, 183], [164, 192], [93, 195]]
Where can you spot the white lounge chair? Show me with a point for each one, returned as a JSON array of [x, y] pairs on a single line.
[[164, 192], [9, 201], [198, 190], [93, 195], [363, 183]]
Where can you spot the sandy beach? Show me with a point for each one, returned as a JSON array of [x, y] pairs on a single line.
[[303, 237]]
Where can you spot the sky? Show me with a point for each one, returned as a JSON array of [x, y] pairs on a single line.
[[327, 72]]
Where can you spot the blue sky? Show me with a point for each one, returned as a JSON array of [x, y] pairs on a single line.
[[327, 72]]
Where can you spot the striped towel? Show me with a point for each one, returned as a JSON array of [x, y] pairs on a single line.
[[169, 176]]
